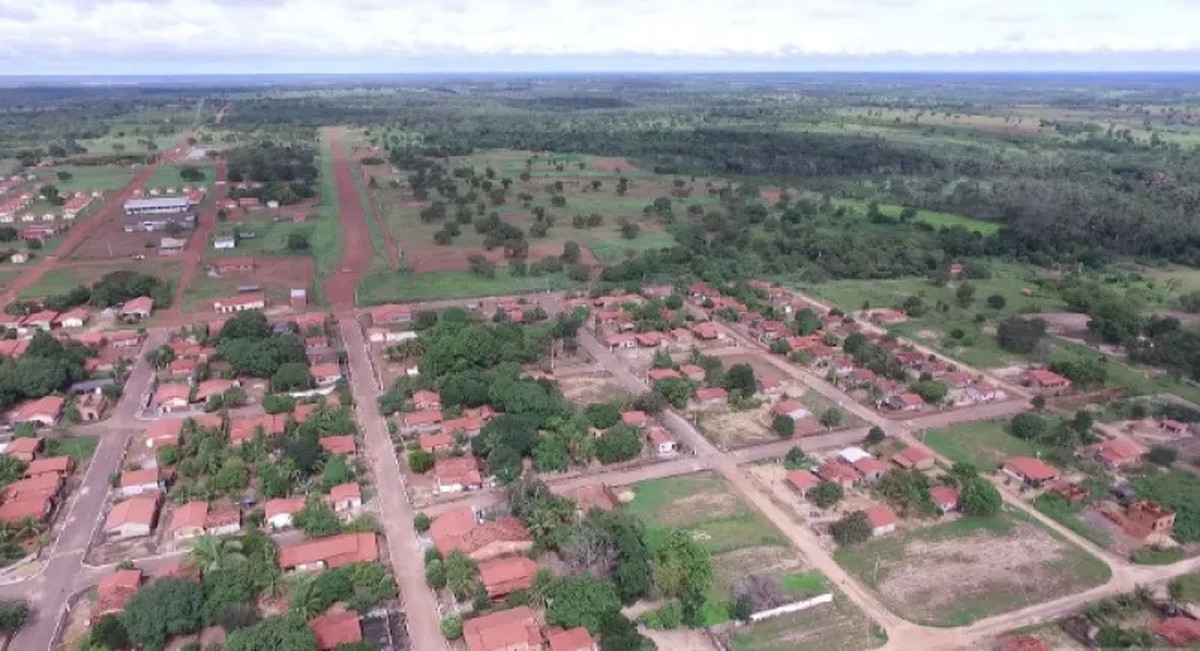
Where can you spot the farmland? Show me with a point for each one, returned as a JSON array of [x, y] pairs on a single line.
[[996, 564]]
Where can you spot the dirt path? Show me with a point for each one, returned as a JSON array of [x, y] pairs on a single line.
[[357, 247], [206, 221], [393, 253]]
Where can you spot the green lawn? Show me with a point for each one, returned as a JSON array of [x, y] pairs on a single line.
[[1067, 515], [78, 448], [167, 176], [270, 237], [85, 178], [985, 444], [384, 286], [55, 281], [993, 565], [326, 238], [934, 218]]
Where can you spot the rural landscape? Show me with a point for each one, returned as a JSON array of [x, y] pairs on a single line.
[[682, 362]]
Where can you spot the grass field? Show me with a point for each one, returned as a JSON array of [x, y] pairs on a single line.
[[270, 237], [382, 285], [58, 281], [326, 240], [986, 444], [86, 178], [934, 218], [1136, 379], [78, 448], [994, 564], [167, 176]]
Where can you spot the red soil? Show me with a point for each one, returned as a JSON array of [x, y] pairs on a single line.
[[356, 235], [612, 165], [199, 239]]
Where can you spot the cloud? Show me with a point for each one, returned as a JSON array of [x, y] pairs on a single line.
[[129, 36]]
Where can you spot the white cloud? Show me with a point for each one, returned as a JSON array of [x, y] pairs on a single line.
[[139, 34]]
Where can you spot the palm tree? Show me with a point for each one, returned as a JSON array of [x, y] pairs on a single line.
[[210, 553]]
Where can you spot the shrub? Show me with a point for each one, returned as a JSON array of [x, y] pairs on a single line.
[[452, 627], [667, 616], [421, 522]]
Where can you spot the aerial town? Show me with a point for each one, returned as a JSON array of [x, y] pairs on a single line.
[[281, 370]]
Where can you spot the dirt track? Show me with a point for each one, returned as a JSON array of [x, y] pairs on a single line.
[[195, 246], [356, 235]]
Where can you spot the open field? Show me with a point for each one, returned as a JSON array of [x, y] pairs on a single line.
[[383, 286], [79, 448], [86, 178], [995, 565], [269, 237], [592, 387], [839, 625], [167, 176], [326, 241], [63, 279], [934, 218], [275, 275], [986, 444]]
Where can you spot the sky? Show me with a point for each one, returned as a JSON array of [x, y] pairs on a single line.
[[115, 37]]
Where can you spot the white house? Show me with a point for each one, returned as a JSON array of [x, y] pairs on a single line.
[[279, 511], [224, 242], [664, 443]]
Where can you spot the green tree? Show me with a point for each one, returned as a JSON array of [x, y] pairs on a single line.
[[212, 553], [420, 461], [826, 494], [581, 601], [875, 436], [783, 425], [682, 569], [292, 376], [1028, 426], [110, 633], [831, 418], [795, 458], [462, 576], [452, 627], [965, 294], [740, 378], [619, 443], [996, 302], [317, 520], [980, 497], [1162, 455], [851, 529], [13, 615], [167, 607], [288, 633]]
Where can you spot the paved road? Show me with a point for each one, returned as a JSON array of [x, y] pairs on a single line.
[[396, 513], [50, 590]]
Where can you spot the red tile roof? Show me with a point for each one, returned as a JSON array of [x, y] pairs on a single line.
[[332, 629], [334, 551], [458, 530], [507, 574], [139, 305], [911, 456], [711, 393], [457, 470], [880, 516], [343, 444], [870, 464], [45, 406], [135, 510], [513, 628], [802, 479], [1031, 469], [942, 495], [192, 514], [574, 639], [282, 505], [417, 418], [348, 490]]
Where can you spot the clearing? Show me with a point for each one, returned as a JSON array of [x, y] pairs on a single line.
[[986, 444], [995, 565], [63, 279], [587, 388], [275, 275], [88, 178], [839, 625]]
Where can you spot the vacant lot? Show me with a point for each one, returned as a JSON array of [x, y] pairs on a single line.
[[275, 275], [64, 279], [385, 286], [994, 565], [985, 444], [167, 177], [763, 368], [259, 237], [592, 387], [88, 178], [839, 625], [730, 428]]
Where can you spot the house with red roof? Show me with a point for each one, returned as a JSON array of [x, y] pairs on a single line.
[[213, 387], [871, 469], [332, 629], [769, 386], [515, 629], [593, 496], [425, 400], [417, 421], [42, 412], [649, 339], [188, 520], [572, 639], [382, 315], [24, 448], [712, 396], [132, 518], [245, 428], [278, 512], [325, 374], [914, 457], [329, 552], [437, 442], [1174, 427], [1116, 453], [635, 418], [802, 481], [793, 409], [341, 444], [505, 575], [663, 442], [468, 425], [981, 392], [74, 318], [883, 520], [659, 374], [137, 309], [621, 341], [137, 482], [1031, 471], [457, 474], [170, 397], [945, 498], [113, 592], [693, 372], [706, 331], [905, 402], [461, 530], [345, 498], [49, 465], [1047, 381], [1178, 631], [838, 472]]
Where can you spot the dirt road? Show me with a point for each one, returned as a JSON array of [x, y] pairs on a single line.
[[206, 221], [357, 247]]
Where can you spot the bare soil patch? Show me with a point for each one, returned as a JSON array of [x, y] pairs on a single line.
[[733, 566], [1064, 324], [612, 164], [731, 429], [591, 387], [763, 368]]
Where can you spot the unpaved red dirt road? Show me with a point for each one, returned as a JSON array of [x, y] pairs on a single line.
[[206, 220], [356, 235]]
